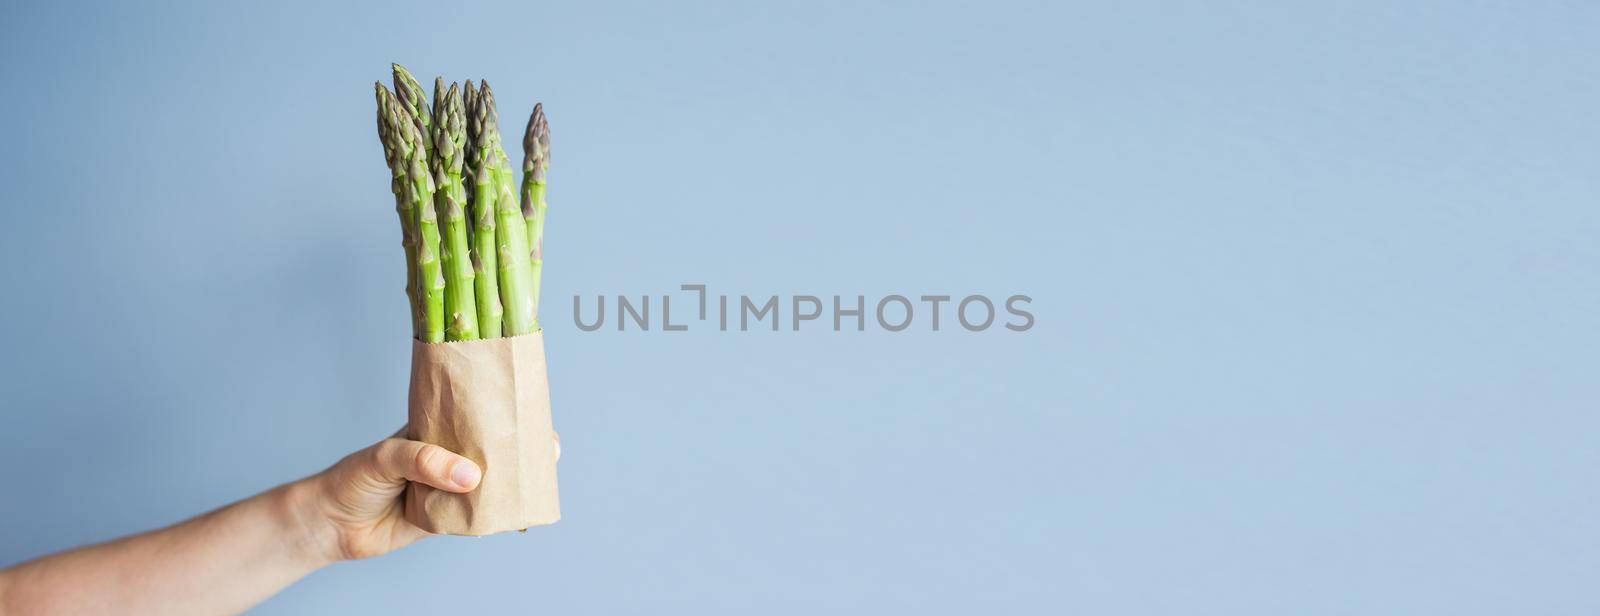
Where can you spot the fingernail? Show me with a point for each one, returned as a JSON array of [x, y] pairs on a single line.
[[464, 474]]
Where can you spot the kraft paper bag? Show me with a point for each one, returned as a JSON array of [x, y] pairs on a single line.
[[488, 400]]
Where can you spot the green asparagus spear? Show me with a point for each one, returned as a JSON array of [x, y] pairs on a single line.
[[511, 234], [420, 189], [485, 261], [389, 135], [449, 139], [535, 164]]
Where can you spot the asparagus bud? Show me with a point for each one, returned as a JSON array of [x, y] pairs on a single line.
[[413, 99]]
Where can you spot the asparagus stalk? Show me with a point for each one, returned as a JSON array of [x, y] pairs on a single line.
[[389, 136], [485, 261], [535, 164], [420, 190], [449, 139], [511, 234]]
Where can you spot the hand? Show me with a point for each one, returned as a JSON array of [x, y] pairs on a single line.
[[354, 509]]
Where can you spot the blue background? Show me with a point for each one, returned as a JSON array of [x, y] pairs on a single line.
[[1315, 284]]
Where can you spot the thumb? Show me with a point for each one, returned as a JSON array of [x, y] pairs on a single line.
[[396, 459]]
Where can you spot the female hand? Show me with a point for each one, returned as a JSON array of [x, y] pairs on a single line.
[[354, 510]]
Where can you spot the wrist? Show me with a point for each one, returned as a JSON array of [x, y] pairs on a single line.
[[311, 539]]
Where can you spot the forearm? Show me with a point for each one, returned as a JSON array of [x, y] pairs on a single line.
[[232, 558], [221, 562]]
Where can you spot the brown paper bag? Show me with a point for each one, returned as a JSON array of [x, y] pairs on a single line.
[[488, 400]]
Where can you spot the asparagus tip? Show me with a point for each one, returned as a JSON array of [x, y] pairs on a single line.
[[532, 136], [536, 145], [485, 94], [544, 131], [491, 120]]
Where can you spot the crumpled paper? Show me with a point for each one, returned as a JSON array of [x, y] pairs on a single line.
[[488, 400]]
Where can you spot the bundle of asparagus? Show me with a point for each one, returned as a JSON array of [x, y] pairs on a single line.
[[472, 276], [476, 275]]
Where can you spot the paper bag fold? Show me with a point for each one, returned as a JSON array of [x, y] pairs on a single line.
[[488, 400]]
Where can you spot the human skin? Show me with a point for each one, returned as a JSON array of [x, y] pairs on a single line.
[[232, 558]]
